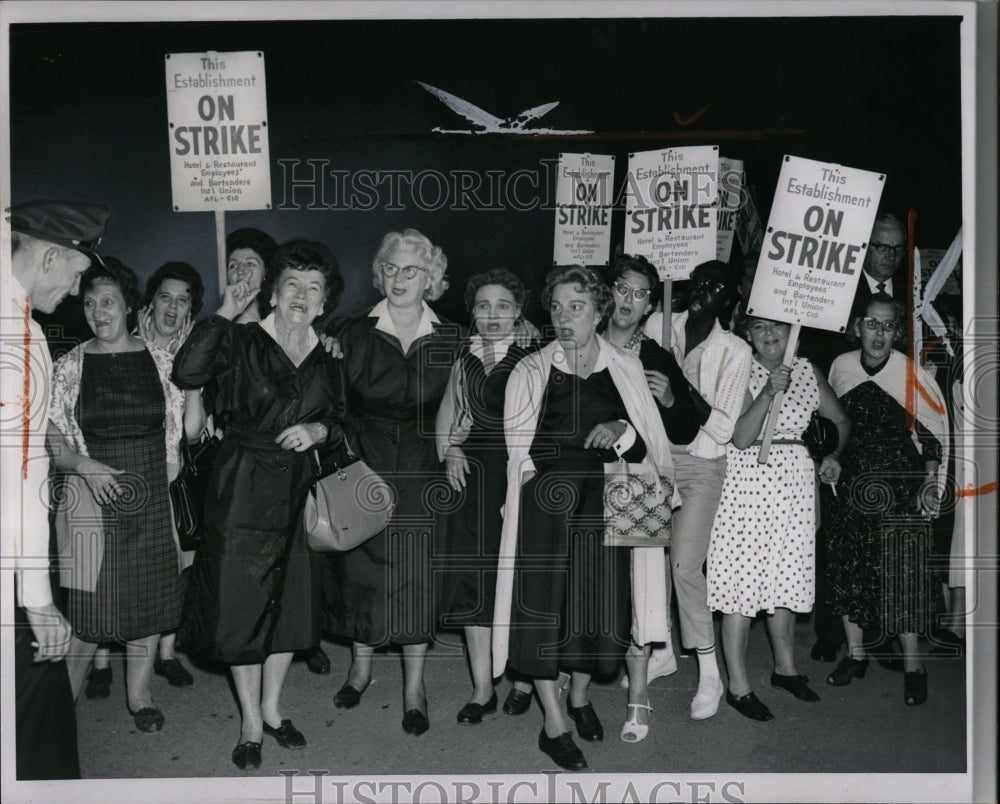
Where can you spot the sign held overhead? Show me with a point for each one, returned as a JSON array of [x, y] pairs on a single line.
[[815, 243], [217, 117]]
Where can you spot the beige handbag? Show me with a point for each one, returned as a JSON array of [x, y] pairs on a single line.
[[636, 512], [347, 507]]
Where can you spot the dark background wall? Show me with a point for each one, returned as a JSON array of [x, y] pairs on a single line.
[[88, 120]]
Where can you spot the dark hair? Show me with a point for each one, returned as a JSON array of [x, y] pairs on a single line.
[[253, 239], [495, 276], [731, 289], [587, 280], [115, 272], [304, 255], [182, 272], [639, 264]]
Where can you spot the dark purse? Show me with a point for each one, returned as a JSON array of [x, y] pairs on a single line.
[[189, 490], [820, 436]]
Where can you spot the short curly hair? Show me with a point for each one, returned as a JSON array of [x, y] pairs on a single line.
[[183, 272], [434, 260], [586, 280], [495, 276], [115, 272], [253, 239], [304, 255]]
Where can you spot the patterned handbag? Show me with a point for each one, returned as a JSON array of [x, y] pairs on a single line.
[[636, 514]]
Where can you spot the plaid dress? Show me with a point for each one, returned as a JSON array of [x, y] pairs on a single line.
[[120, 410]]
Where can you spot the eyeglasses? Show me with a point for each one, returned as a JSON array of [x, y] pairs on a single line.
[[886, 326], [626, 291], [708, 284], [885, 249], [408, 271]]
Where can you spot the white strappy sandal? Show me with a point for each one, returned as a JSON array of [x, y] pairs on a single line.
[[632, 730]]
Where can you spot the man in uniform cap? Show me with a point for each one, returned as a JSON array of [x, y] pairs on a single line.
[[52, 244]]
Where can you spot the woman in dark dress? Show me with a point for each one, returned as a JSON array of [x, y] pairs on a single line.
[[117, 423], [568, 602], [877, 530], [254, 595], [397, 360], [470, 440]]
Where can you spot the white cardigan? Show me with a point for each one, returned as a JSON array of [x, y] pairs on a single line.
[[523, 402]]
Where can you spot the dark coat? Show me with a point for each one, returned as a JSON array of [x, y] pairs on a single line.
[[382, 591], [255, 582]]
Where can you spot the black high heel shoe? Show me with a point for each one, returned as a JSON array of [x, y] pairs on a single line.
[[915, 687], [847, 669]]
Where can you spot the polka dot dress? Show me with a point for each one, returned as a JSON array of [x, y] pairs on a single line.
[[762, 551]]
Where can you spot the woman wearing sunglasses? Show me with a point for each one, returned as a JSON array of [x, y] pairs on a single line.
[[397, 363], [877, 531]]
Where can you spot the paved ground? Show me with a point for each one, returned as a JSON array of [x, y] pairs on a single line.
[[861, 728]]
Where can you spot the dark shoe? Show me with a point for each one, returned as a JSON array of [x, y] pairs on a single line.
[[915, 687], [317, 661], [98, 683], [562, 750], [797, 685], [286, 734], [415, 722], [148, 719], [846, 670], [894, 665], [517, 702], [175, 673], [823, 651], [246, 756], [749, 705], [472, 713], [587, 725], [347, 697]]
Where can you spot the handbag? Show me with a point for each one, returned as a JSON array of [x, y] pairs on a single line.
[[820, 436], [461, 424], [636, 512], [79, 524], [190, 488], [346, 507]]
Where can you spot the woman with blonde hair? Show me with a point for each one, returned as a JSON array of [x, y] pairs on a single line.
[[397, 359]]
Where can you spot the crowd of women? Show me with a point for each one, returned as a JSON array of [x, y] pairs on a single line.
[[442, 412]]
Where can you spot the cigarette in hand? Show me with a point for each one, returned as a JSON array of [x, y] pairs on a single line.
[[833, 486]]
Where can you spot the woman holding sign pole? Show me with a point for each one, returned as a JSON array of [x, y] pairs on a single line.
[[717, 363], [762, 552]]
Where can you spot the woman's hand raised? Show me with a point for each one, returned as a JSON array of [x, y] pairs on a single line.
[[236, 298]]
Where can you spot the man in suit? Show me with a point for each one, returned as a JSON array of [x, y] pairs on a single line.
[[883, 260], [52, 245]]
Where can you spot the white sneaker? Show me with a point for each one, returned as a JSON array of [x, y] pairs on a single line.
[[706, 702], [662, 662]]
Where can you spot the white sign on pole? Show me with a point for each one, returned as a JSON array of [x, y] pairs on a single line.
[[217, 116], [671, 208], [583, 209], [815, 244], [731, 180]]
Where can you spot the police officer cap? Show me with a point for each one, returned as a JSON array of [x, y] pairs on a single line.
[[75, 224]]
